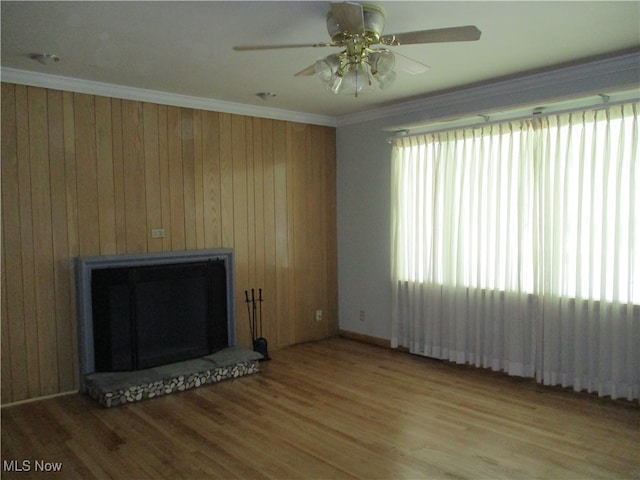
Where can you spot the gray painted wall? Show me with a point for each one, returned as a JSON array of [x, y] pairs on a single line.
[[364, 174]]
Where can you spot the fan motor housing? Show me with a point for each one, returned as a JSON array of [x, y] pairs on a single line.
[[373, 25]]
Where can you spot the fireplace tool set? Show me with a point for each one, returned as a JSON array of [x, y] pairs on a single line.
[[259, 343]]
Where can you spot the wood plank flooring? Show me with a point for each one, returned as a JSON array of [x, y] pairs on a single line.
[[334, 409]]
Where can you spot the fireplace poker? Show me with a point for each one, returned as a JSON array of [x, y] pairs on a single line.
[[253, 308], [260, 302], [251, 327]]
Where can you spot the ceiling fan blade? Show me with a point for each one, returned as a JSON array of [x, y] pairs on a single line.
[[248, 48], [409, 65], [468, 33], [310, 70], [349, 17]]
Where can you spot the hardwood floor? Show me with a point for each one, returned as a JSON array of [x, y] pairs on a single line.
[[334, 409]]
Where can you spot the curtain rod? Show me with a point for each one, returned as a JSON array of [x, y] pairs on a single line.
[[474, 121]]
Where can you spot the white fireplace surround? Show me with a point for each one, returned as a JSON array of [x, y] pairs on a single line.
[[85, 265]]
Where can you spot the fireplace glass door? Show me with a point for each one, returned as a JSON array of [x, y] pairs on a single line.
[[155, 315]]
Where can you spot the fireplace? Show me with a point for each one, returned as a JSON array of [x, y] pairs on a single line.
[[141, 311]]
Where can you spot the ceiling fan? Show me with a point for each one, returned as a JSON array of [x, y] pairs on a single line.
[[357, 29]]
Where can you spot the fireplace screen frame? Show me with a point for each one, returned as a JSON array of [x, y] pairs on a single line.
[[85, 265]]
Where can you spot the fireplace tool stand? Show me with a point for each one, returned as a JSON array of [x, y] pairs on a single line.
[[259, 343]]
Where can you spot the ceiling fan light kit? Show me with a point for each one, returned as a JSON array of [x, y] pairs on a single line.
[[355, 28], [382, 62], [327, 67], [354, 73]]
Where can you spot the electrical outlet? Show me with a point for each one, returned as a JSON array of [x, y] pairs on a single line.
[[157, 233], [362, 315], [318, 315]]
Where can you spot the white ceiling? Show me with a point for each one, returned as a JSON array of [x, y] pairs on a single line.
[[186, 47]]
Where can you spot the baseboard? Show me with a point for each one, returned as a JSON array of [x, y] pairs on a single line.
[[38, 399], [360, 337]]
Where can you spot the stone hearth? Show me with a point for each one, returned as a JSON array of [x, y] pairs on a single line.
[[117, 388]]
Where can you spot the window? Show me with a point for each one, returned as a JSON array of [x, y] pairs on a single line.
[[516, 247], [542, 206]]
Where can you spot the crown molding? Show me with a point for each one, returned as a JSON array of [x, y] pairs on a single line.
[[35, 79], [621, 71]]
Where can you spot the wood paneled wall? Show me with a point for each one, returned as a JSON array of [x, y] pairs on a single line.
[[89, 175]]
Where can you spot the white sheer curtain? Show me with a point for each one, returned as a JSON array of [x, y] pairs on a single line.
[[515, 247]]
